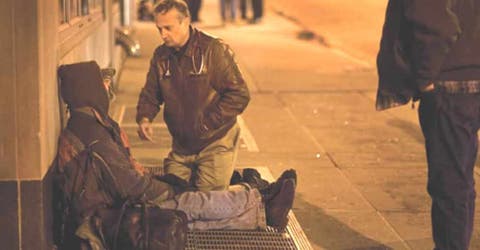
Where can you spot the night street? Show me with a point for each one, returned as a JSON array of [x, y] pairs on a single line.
[[362, 173], [300, 81]]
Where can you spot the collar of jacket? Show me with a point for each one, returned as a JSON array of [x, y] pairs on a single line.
[[89, 111], [192, 42]]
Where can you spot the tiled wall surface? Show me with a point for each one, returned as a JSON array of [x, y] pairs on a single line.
[[31, 224]]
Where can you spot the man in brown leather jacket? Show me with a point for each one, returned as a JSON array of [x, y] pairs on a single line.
[[196, 79]]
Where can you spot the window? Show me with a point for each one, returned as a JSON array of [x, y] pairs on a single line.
[[94, 4], [77, 19], [62, 17], [74, 9], [70, 9]]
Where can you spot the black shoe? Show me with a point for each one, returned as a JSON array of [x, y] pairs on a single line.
[[236, 178], [269, 191], [253, 178], [255, 20], [279, 205], [289, 174]]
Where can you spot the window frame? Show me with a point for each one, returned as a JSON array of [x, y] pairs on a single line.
[[75, 29]]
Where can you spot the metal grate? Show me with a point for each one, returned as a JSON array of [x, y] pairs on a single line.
[[296, 232], [154, 170], [219, 240], [292, 239]]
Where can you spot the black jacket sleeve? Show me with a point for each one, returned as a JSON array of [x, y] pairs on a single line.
[[435, 29]]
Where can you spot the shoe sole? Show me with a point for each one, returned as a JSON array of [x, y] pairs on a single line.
[[287, 190]]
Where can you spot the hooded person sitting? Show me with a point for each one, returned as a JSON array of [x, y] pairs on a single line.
[[118, 177]]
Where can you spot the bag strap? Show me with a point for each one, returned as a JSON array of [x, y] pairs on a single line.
[[146, 226], [119, 223], [88, 162]]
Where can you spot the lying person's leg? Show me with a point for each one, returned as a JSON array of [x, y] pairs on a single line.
[[240, 207]]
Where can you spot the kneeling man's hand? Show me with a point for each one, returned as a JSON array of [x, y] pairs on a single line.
[[145, 130]]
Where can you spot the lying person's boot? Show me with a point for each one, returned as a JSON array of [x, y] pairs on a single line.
[[253, 178], [278, 206], [289, 174], [270, 190]]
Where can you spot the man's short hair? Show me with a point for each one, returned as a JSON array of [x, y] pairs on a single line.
[[166, 5]]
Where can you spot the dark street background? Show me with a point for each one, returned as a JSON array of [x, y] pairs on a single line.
[[362, 173]]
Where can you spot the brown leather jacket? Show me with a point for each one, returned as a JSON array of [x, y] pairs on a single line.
[[202, 91]]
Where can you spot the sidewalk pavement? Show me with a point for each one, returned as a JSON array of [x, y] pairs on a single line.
[[362, 173], [352, 27]]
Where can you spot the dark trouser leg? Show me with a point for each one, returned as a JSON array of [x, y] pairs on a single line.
[[257, 9], [223, 9], [193, 7], [450, 124], [243, 9], [195, 10]]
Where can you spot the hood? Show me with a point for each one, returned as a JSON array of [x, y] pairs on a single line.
[[81, 85]]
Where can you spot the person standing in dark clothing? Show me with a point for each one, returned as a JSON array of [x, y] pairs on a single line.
[[429, 50], [228, 10], [194, 8], [257, 10], [257, 6], [243, 9]]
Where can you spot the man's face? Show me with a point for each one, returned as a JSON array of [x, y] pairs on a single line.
[[173, 28]]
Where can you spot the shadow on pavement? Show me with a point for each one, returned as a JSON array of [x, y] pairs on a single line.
[[328, 232], [410, 128]]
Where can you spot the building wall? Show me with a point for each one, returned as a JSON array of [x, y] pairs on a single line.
[[47, 81], [20, 140], [31, 49], [94, 47], [7, 95]]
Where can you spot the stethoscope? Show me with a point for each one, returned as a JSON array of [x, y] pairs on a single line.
[[195, 71]]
